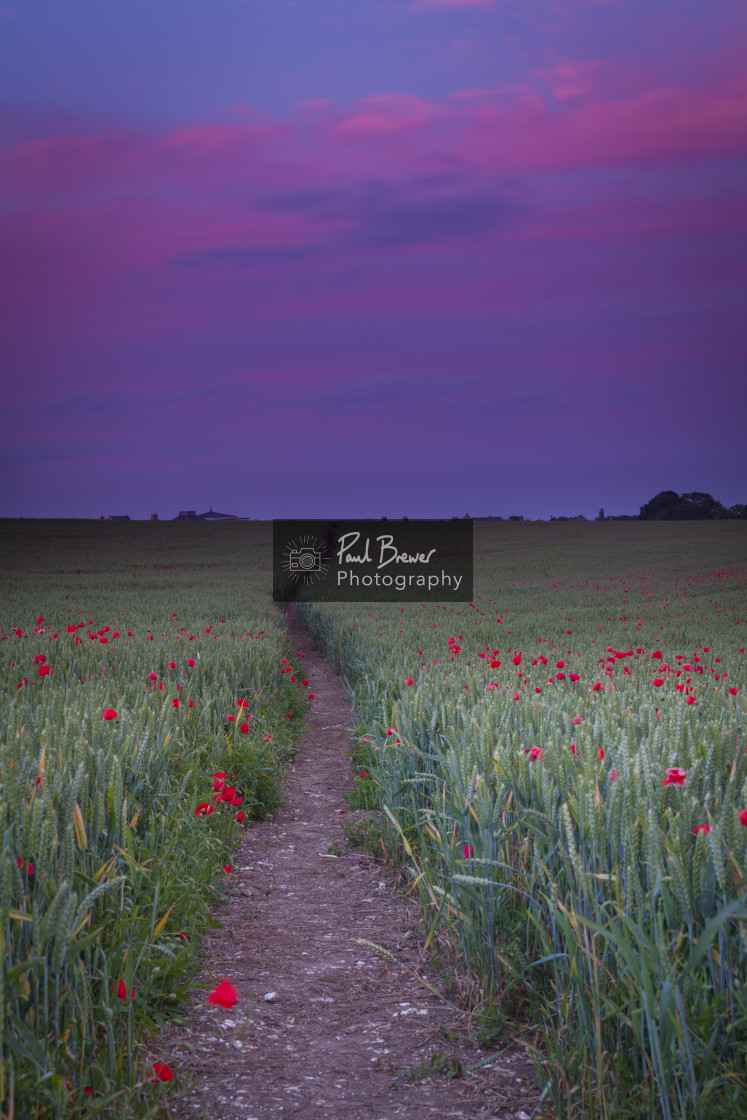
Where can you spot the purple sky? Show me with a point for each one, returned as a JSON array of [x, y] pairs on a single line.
[[333, 259]]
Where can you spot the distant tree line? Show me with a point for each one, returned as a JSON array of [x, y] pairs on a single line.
[[670, 506]]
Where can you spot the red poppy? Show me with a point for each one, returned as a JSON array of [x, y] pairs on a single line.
[[227, 868], [657, 654], [658, 682], [600, 753], [573, 677], [191, 662], [244, 729], [535, 753], [29, 866], [733, 691], [743, 817], [704, 828], [230, 719], [44, 670], [152, 676], [560, 664], [40, 659], [224, 994], [242, 704], [204, 809], [240, 817], [690, 700], [675, 777], [109, 713], [516, 659], [495, 664], [161, 1072], [408, 681], [122, 991], [176, 703], [613, 774], [597, 687], [468, 851]]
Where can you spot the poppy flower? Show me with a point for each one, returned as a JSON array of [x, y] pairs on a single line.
[[495, 664], [268, 738], [560, 676], [122, 991], [40, 659], [733, 691], [560, 664], [29, 866], [224, 994], [613, 774], [577, 720], [204, 809], [409, 681], [230, 719], [573, 677], [176, 703], [597, 687], [516, 659], [227, 868], [244, 729], [468, 851], [242, 704], [535, 753], [182, 936], [161, 1072], [600, 754], [704, 828], [152, 676], [44, 670], [109, 713], [240, 817], [191, 662], [658, 682], [675, 776], [743, 817], [690, 700], [312, 697]]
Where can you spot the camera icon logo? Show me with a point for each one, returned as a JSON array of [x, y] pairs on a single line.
[[305, 560]]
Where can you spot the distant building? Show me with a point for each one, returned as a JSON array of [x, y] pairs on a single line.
[[516, 517], [119, 517], [600, 515], [154, 517], [211, 515]]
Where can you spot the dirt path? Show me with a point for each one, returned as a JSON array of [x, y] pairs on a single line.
[[324, 1027]]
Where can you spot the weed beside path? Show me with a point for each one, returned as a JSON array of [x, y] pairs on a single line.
[[323, 1025]]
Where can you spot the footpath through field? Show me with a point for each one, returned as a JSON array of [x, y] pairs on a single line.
[[323, 1026]]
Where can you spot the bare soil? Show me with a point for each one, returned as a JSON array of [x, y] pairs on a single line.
[[324, 1027]]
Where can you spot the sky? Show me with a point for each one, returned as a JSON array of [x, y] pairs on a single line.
[[324, 258]]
